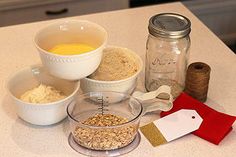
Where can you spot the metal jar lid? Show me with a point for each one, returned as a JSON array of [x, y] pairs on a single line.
[[169, 25]]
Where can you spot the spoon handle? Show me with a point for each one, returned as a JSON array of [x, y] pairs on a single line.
[[151, 103]]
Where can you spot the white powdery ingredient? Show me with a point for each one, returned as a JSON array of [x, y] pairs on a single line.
[[42, 94]]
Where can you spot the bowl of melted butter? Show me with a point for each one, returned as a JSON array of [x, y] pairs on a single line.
[[71, 49]]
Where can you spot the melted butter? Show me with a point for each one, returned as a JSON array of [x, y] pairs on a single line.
[[71, 49]]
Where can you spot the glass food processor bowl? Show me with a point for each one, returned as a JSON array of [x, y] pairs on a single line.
[[104, 120]]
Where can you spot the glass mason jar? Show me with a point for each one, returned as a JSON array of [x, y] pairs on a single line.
[[167, 52]]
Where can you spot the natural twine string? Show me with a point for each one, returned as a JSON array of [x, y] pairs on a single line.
[[197, 80]]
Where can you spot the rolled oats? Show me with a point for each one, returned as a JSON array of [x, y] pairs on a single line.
[[104, 137]]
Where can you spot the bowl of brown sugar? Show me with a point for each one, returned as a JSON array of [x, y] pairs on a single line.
[[118, 71]]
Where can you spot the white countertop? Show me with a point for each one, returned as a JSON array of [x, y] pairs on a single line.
[[126, 28]]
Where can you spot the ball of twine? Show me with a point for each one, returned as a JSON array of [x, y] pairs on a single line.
[[197, 80]]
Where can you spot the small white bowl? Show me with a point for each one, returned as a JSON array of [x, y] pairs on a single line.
[[123, 86], [40, 114], [71, 67]]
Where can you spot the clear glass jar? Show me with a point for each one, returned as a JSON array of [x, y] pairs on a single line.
[[167, 52]]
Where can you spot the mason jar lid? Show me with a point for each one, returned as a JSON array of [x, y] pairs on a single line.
[[169, 25]]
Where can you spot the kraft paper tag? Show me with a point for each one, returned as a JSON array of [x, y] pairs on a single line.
[[171, 127]]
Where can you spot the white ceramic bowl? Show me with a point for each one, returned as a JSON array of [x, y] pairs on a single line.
[[40, 114], [124, 86], [71, 67]]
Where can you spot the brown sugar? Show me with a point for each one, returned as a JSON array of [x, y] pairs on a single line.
[[116, 64]]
